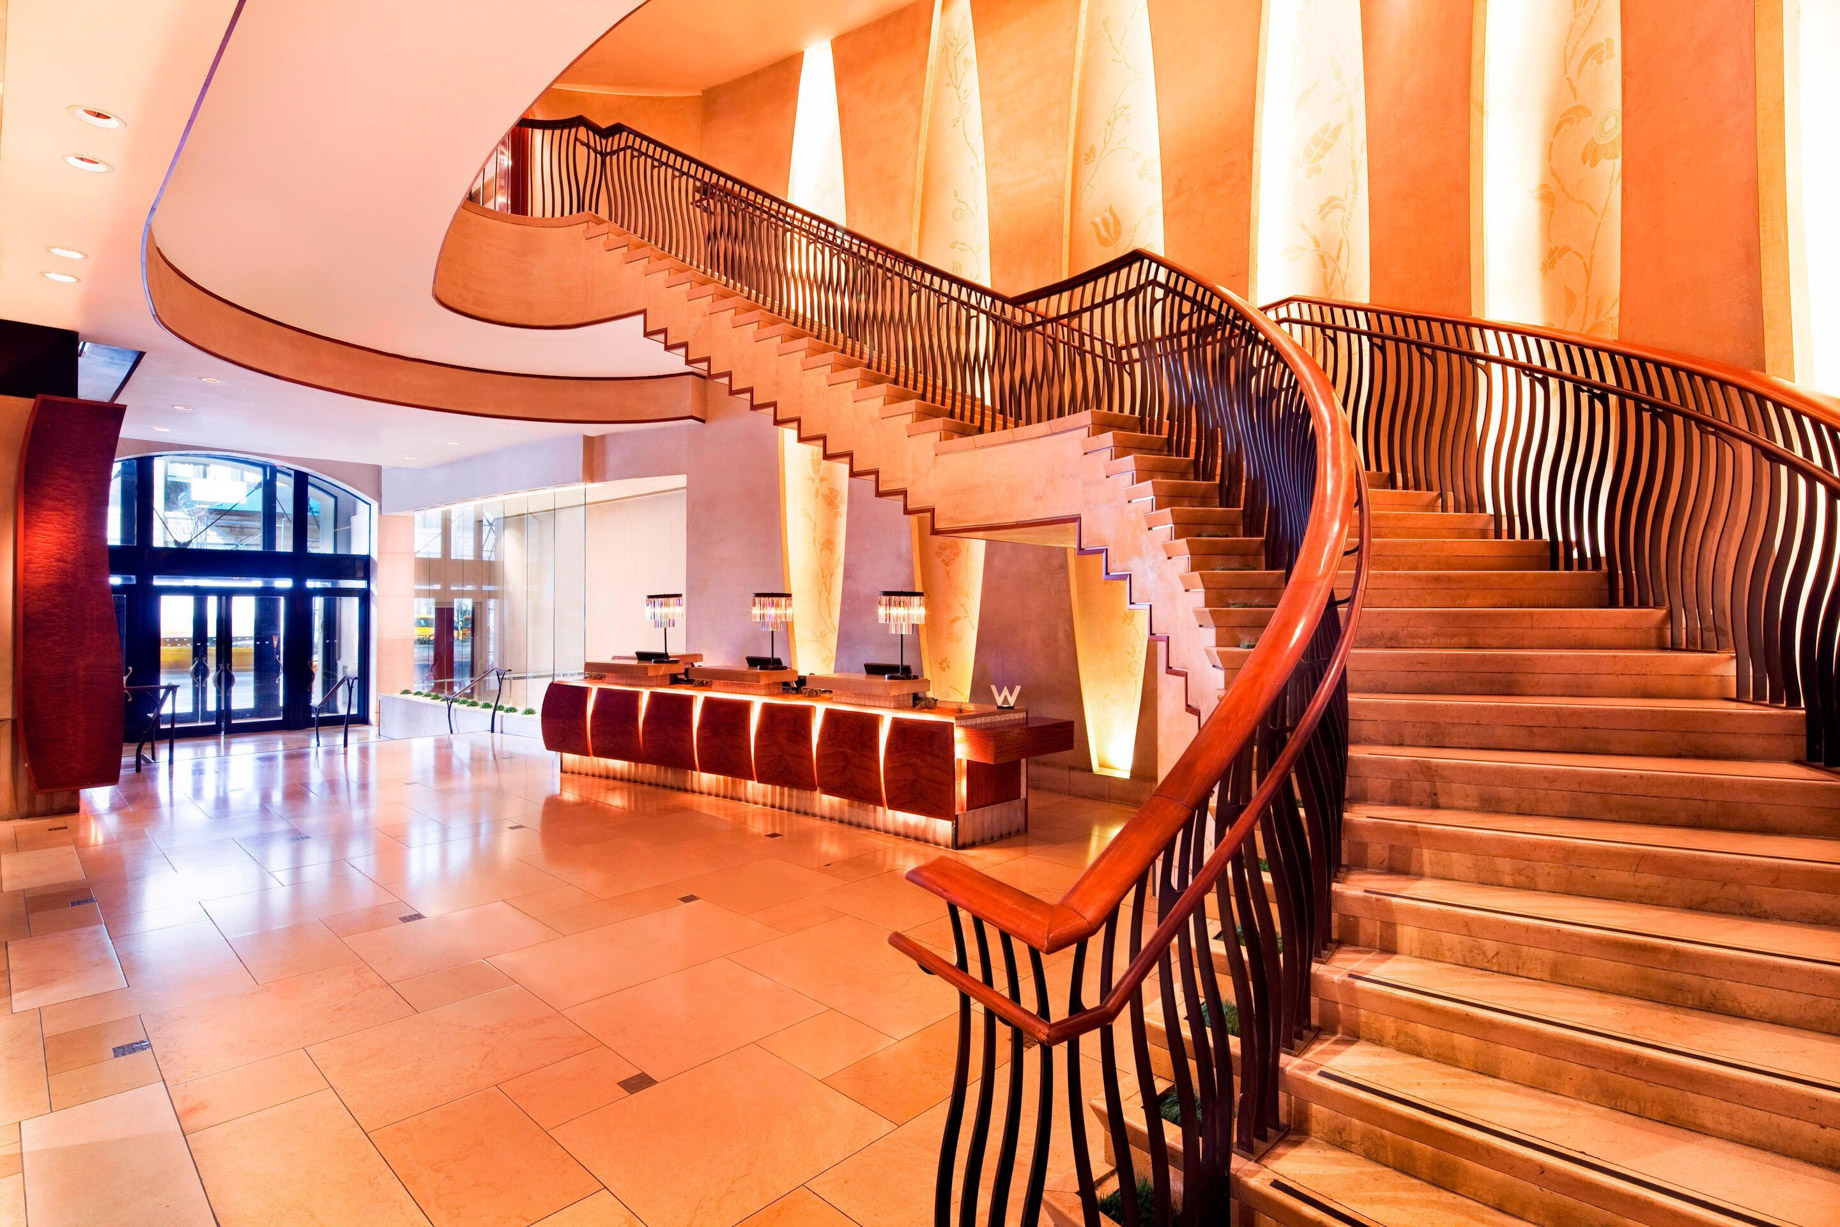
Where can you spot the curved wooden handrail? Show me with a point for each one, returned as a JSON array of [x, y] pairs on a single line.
[[1096, 895]]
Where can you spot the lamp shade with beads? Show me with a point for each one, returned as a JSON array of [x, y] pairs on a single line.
[[901, 611], [663, 609], [772, 608]]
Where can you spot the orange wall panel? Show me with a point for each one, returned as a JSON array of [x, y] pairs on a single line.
[[1207, 71], [881, 94], [1692, 261], [678, 122], [1025, 56], [747, 125], [1418, 56]]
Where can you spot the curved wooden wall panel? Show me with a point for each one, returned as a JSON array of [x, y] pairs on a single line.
[[565, 719], [67, 652], [227, 331]]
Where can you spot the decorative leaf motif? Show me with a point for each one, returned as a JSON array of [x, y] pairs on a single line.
[[1107, 229]]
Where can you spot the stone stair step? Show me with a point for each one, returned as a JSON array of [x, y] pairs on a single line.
[[1773, 797], [1196, 521], [1126, 442], [1475, 628], [1176, 467], [1751, 1082], [1447, 589], [1742, 873], [1302, 1182], [1217, 551], [1548, 1158], [1171, 492], [1404, 500], [1768, 970], [1458, 554], [1664, 727], [1543, 671], [1426, 524]]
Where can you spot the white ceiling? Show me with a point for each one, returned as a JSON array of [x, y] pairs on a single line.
[[293, 198], [711, 41]]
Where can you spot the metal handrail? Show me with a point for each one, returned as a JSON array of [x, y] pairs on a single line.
[[347, 683], [150, 734], [497, 699]]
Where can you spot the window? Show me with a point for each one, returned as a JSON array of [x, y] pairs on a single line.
[[428, 525], [123, 485], [208, 502], [338, 521], [460, 522]]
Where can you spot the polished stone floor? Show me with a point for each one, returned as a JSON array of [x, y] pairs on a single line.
[[435, 982]]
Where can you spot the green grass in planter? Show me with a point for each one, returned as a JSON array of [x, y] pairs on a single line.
[[530, 711], [1112, 1204], [1229, 1014], [1239, 931]]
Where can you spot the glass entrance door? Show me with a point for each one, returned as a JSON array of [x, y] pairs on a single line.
[[340, 630], [224, 650]]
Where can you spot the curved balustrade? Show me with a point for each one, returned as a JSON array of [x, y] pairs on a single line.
[[1696, 486], [1195, 929]]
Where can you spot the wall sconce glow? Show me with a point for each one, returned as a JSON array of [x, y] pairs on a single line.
[[82, 161], [96, 117], [1118, 183], [1111, 641], [817, 139], [68, 253], [954, 231], [1811, 85], [60, 278]]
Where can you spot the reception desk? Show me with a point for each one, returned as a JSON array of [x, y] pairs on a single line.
[[953, 775]]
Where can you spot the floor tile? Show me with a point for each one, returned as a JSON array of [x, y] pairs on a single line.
[[304, 1163], [216, 1098], [120, 1159], [435, 943], [439, 988], [111, 1077], [275, 954], [848, 965], [417, 1063], [62, 966], [799, 914], [13, 1200], [571, 1088], [90, 1044], [799, 1208], [720, 1130], [480, 1162], [757, 884], [211, 1036], [594, 914], [23, 1089], [909, 1076], [886, 899], [825, 1043], [40, 868], [281, 906], [486, 882], [667, 1025], [602, 1209], [583, 966]]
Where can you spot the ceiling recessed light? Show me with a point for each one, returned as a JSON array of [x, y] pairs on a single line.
[[96, 117], [408, 457], [164, 429], [68, 253], [209, 379], [82, 161], [60, 278], [453, 443], [183, 408]]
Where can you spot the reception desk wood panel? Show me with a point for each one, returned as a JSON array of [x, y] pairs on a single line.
[[925, 774]]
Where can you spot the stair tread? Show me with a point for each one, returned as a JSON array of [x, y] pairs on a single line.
[[1809, 849], [1788, 717], [1599, 1145], [1732, 769], [1761, 1049], [1815, 945], [1376, 1193]]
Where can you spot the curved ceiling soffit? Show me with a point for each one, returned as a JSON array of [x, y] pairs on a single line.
[[248, 339], [249, 256]]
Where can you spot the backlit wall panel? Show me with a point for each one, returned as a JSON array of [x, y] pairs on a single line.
[[1312, 221], [1117, 188], [1552, 163], [954, 199]]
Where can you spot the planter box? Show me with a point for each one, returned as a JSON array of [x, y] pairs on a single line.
[[402, 715]]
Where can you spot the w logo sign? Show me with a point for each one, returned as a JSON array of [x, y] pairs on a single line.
[[1006, 696]]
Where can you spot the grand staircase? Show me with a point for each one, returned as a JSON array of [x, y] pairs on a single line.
[[1589, 960], [1586, 959]]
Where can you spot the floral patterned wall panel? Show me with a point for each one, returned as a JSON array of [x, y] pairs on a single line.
[[814, 493], [1117, 175], [1112, 641], [1553, 163], [1312, 161], [954, 206], [950, 570]]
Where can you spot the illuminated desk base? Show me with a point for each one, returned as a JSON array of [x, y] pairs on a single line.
[[953, 776], [978, 826]]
